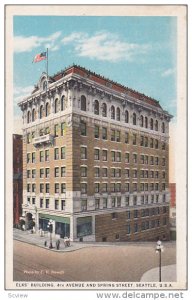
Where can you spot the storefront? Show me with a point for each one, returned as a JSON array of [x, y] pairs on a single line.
[[61, 224]]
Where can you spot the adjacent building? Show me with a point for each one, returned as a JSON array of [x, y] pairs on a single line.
[[17, 178], [95, 159]]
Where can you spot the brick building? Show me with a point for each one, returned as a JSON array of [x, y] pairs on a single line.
[[17, 177], [95, 159]]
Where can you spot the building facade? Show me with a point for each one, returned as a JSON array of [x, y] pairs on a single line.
[[17, 177], [95, 159]]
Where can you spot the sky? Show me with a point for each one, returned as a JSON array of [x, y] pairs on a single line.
[[138, 52]]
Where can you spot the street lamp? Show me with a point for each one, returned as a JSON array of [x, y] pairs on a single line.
[[35, 209], [159, 249], [50, 228]]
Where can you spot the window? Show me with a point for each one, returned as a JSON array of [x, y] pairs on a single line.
[[134, 187], [113, 156], [152, 174], [135, 214], [47, 203], [104, 202], [152, 186], [141, 121], [56, 105], [118, 156], [164, 209], [33, 115], [83, 153], [63, 188], [62, 204], [104, 172], [63, 171], [163, 174], [142, 187], [104, 110], [142, 159], [112, 187], [104, 155], [156, 186], [41, 202], [126, 116], [118, 114], [118, 173], [46, 155], [142, 140], [146, 122], [83, 171], [118, 201], [163, 127], [97, 187], [151, 142], [96, 132], [127, 204], [83, 103], [156, 174], [41, 112], [62, 102], [118, 187], [152, 198], [156, 125], [56, 153], [134, 173], [156, 144], [28, 173], [56, 130], [28, 157], [146, 159], [128, 228], [118, 136], [151, 124], [112, 135], [163, 161], [62, 152], [127, 173], [56, 188], [134, 139], [97, 203], [163, 145], [135, 158], [135, 227], [83, 128], [134, 119], [41, 156], [83, 188], [33, 173], [104, 133], [41, 188], [56, 171], [47, 172], [105, 187], [56, 204], [63, 128], [47, 188], [33, 188], [146, 141], [151, 160], [113, 202], [41, 132], [28, 188], [127, 187], [28, 117], [47, 109], [156, 160], [97, 172], [112, 112], [126, 138], [146, 187], [96, 154], [83, 205], [127, 157], [113, 172], [33, 157], [47, 130], [163, 186], [96, 107]]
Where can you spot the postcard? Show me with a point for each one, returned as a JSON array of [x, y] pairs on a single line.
[[96, 135]]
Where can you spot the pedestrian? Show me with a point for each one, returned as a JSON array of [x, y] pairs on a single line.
[[45, 243], [57, 244]]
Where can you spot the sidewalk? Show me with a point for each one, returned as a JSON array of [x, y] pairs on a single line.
[[168, 274]]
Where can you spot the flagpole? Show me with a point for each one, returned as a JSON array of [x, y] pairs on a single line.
[[47, 67]]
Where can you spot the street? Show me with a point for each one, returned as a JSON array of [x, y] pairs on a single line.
[[123, 263]]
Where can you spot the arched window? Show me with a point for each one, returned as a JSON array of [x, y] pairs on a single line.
[[104, 109], [163, 127], [118, 114], [33, 115], [96, 107], [62, 102], [83, 103], [112, 112], [151, 124], [141, 123], [126, 116], [146, 122], [47, 109], [45, 85], [41, 112], [28, 117], [156, 125], [134, 119], [56, 105]]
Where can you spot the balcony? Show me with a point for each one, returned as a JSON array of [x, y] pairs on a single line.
[[43, 140]]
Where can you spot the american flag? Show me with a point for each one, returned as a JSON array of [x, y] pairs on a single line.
[[40, 57]]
